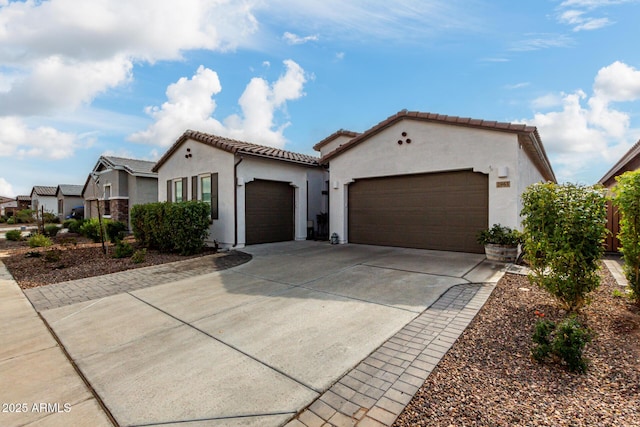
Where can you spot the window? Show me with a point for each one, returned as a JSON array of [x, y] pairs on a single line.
[[60, 207], [107, 202], [205, 189], [177, 191]]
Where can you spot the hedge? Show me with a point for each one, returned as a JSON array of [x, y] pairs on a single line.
[[171, 227]]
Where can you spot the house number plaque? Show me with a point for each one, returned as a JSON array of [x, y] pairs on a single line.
[[503, 184]]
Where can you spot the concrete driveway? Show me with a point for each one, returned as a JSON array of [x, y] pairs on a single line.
[[255, 344]]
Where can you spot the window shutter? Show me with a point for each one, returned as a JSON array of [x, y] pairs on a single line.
[[194, 188], [185, 190], [169, 182], [214, 196]]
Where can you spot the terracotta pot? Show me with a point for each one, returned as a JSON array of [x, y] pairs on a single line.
[[501, 253]]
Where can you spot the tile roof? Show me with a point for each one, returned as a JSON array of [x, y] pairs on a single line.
[[238, 147], [4, 199], [620, 166], [341, 132], [534, 147], [23, 198], [42, 190], [133, 166], [70, 190]]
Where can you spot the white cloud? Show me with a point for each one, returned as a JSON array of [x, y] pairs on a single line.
[[517, 85], [575, 13], [63, 53], [548, 101], [291, 38], [340, 56], [6, 189], [587, 133], [18, 140], [541, 41], [190, 104]]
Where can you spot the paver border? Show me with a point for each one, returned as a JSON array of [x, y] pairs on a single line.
[[376, 391]]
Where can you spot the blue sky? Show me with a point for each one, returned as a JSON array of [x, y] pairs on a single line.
[[83, 78]]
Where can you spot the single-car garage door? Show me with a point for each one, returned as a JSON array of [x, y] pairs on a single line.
[[268, 211], [441, 211]]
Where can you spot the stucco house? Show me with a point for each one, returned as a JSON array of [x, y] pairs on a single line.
[[118, 184], [258, 194], [430, 181], [69, 196], [44, 197], [24, 202], [8, 206], [630, 161]]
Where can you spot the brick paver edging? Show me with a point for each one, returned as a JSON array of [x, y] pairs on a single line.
[[377, 390], [90, 288]]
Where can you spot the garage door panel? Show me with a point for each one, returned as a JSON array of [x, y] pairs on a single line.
[[269, 212], [442, 211]]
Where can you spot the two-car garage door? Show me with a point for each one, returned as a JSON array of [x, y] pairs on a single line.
[[441, 211]]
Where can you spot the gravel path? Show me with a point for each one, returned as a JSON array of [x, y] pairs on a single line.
[[489, 379]]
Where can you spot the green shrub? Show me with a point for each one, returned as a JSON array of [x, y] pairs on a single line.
[[139, 256], [51, 230], [67, 222], [171, 227], [626, 199], [123, 250], [500, 235], [24, 216], [564, 230], [2, 220], [564, 341], [52, 255], [11, 220], [39, 241], [15, 235], [74, 225], [50, 218], [116, 230], [91, 229]]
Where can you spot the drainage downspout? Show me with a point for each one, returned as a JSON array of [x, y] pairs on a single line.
[[235, 202]]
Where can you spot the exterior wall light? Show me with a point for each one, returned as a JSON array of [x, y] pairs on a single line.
[[503, 172]]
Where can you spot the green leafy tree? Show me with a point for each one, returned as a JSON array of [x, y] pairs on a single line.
[[564, 229], [627, 199]]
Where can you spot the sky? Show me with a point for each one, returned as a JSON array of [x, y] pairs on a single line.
[[80, 79]]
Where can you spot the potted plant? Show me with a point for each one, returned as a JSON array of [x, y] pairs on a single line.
[[500, 243]]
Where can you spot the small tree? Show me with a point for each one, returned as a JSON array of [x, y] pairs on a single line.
[[564, 229], [627, 199]]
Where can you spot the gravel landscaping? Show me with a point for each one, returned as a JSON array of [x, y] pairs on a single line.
[[489, 379], [79, 258]]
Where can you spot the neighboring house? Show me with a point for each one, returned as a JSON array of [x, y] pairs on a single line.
[[8, 206], [24, 202], [69, 196], [257, 194], [630, 161], [121, 184], [44, 197], [430, 181]]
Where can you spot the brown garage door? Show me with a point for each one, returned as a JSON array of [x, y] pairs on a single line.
[[441, 211], [268, 211]]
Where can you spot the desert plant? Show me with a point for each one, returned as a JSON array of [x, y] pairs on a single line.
[[24, 216], [50, 218], [15, 235], [500, 235], [51, 230], [564, 230], [74, 225], [563, 341], [116, 231], [139, 256], [52, 255], [627, 194], [38, 241], [122, 250], [11, 220], [91, 229]]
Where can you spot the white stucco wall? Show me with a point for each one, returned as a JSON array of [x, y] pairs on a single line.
[[335, 143], [433, 148], [204, 160], [50, 203], [528, 174], [296, 175]]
